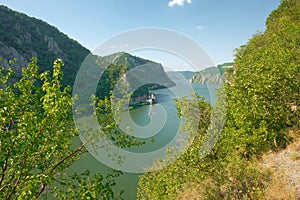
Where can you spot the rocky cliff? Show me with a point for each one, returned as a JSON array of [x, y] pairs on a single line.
[[212, 75], [23, 37]]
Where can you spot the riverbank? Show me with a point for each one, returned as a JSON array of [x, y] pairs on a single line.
[[139, 101]]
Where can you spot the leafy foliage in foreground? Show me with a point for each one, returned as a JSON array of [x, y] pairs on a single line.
[[263, 98], [85, 186], [266, 85]]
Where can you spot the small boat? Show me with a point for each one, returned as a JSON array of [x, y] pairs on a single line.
[[152, 98]]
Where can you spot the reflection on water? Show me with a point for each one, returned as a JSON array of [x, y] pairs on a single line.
[[142, 116]]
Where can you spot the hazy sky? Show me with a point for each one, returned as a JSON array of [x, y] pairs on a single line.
[[219, 26]]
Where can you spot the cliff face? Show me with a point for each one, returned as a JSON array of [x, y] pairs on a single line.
[[141, 74], [212, 75], [148, 71], [24, 37], [207, 76]]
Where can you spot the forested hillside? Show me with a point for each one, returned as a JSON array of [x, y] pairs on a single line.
[[24, 37], [262, 102], [121, 62]]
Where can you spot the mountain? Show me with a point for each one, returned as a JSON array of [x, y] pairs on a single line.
[[187, 74], [145, 69], [180, 74], [143, 75], [24, 37], [211, 75], [123, 58]]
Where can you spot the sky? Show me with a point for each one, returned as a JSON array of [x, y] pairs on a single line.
[[218, 26]]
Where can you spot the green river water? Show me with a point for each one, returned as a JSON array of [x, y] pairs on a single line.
[[129, 181]]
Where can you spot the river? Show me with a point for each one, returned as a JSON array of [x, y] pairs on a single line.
[[141, 116]]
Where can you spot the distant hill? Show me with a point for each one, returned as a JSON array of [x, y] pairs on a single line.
[[211, 75], [24, 37], [123, 58], [149, 70], [187, 74], [146, 71], [179, 76]]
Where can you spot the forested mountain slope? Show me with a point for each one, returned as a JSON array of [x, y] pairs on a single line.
[[23, 37]]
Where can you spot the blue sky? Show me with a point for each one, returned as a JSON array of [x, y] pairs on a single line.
[[219, 26]]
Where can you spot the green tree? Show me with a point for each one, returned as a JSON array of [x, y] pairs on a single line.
[[262, 102], [36, 134], [266, 83]]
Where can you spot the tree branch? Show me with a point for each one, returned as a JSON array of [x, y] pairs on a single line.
[[18, 180], [80, 148], [41, 191], [4, 168]]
